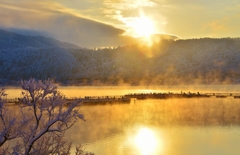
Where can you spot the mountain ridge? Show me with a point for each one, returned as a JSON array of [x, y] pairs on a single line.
[[167, 62], [11, 40]]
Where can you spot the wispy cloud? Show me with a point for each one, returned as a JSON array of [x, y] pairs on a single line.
[[79, 20], [127, 5], [125, 12], [60, 22], [218, 25]]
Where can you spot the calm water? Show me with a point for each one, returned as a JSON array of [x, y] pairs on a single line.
[[161, 127], [158, 127]]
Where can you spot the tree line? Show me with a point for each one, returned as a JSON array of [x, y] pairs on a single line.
[[202, 61]]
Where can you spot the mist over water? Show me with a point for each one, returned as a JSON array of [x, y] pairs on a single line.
[[173, 126], [179, 126], [157, 127]]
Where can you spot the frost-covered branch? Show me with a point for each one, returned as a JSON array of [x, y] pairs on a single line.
[[7, 124], [48, 109], [44, 117]]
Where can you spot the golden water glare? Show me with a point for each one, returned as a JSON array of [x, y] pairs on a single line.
[[156, 127], [146, 141]]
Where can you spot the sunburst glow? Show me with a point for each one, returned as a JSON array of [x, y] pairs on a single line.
[[143, 26]]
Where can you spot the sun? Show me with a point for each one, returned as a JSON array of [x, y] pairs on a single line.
[[143, 26]]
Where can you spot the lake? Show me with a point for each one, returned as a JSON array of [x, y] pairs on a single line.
[[185, 126], [154, 127]]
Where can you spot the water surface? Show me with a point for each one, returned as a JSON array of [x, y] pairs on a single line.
[[203, 126], [167, 127]]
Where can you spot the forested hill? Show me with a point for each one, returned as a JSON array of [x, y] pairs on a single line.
[[11, 40], [193, 61]]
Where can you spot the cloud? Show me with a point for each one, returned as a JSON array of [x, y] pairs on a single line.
[[65, 24], [117, 9], [218, 25], [59, 22], [96, 23], [126, 4], [126, 12], [225, 27]]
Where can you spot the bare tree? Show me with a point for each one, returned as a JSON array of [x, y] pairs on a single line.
[[44, 117], [8, 125]]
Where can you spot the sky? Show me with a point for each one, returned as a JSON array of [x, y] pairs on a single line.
[[90, 23]]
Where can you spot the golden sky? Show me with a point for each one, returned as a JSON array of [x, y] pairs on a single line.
[[67, 20], [184, 18]]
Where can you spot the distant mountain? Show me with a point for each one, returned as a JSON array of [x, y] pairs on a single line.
[[27, 32], [41, 63], [169, 61], [11, 40]]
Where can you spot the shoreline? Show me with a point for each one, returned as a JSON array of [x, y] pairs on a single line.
[[138, 96]]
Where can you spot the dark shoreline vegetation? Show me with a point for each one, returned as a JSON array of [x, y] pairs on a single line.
[[184, 109], [132, 97], [166, 62]]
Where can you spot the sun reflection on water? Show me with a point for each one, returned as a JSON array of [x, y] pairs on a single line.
[[147, 142]]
